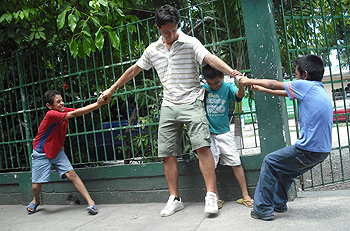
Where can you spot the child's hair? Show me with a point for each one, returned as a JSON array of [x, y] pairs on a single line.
[[49, 96], [210, 72], [167, 14], [313, 65]]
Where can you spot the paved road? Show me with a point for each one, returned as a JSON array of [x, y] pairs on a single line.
[[319, 211]]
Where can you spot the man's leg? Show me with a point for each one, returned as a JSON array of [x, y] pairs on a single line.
[[171, 174], [207, 167]]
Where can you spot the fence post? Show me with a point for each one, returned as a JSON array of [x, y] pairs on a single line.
[[265, 62], [24, 105]]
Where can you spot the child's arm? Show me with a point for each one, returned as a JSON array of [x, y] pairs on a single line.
[[269, 86], [269, 91], [84, 110], [241, 91]]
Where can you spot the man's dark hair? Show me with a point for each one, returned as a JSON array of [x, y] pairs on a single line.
[[50, 95], [167, 14], [313, 65], [210, 72]]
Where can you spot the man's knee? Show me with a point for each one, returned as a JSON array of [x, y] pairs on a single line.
[[204, 150]]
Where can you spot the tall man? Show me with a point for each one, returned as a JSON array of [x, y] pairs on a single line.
[[176, 58]]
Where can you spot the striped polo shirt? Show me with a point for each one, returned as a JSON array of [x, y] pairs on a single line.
[[177, 69]]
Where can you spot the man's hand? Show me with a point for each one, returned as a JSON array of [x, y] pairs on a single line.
[[106, 96], [255, 87], [101, 101], [245, 81], [236, 74]]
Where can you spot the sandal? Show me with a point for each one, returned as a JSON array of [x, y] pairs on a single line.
[[92, 209], [248, 203], [220, 203], [32, 206]]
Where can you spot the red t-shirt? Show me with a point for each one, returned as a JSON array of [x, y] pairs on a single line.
[[52, 133]]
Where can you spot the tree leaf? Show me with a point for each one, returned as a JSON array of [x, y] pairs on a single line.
[[31, 36], [87, 47], [21, 15], [42, 35], [96, 21], [72, 22], [73, 46], [81, 52], [61, 19], [120, 12], [114, 39], [18, 39], [86, 33], [26, 13], [15, 15], [103, 2], [99, 40], [92, 44], [11, 33]]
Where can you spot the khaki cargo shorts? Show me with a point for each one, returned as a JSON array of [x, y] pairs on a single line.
[[171, 126]]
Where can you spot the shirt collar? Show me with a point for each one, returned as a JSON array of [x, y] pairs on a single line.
[[181, 38]]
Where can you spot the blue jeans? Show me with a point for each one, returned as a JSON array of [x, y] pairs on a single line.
[[277, 173]]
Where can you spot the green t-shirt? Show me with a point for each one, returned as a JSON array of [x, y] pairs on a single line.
[[218, 105]]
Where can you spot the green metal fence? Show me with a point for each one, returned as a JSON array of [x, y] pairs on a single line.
[[125, 130], [322, 28]]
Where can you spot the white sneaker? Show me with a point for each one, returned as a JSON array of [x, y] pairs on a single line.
[[211, 203], [172, 206]]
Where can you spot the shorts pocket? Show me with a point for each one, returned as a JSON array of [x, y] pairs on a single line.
[[38, 155], [205, 127]]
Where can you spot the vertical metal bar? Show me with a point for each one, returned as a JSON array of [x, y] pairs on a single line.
[[81, 105], [121, 138], [91, 114], [24, 106], [72, 95], [15, 109], [326, 39], [114, 150], [127, 100], [109, 111]]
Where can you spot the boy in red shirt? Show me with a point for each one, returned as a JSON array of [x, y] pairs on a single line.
[[48, 144]]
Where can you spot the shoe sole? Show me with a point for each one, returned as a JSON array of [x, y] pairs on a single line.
[[280, 210], [174, 211], [254, 215], [211, 211]]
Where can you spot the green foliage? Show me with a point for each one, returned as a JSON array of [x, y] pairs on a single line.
[[84, 25], [89, 25], [312, 27]]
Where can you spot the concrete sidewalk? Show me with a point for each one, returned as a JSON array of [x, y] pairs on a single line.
[[323, 210]]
